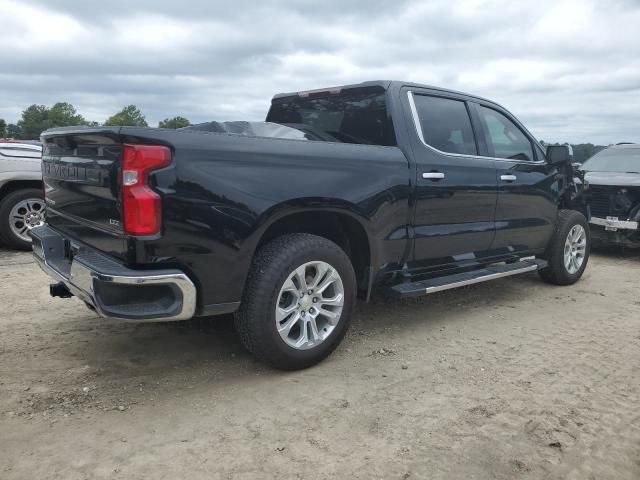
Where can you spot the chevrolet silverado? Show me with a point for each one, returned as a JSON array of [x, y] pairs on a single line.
[[408, 188]]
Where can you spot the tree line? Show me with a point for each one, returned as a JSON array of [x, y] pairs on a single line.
[[35, 119], [581, 151], [38, 118]]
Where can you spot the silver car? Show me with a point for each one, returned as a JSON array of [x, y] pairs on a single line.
[[21, 196]]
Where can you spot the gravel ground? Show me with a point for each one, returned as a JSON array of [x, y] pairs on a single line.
[[506, 380]]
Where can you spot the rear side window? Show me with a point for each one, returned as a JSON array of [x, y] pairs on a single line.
[[504, 138], [446, 124], [354, 115]]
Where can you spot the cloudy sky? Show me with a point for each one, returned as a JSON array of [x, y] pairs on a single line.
[[570, 70]]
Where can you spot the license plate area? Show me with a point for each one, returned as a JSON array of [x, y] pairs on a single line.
[[53, 249], [610, 228]]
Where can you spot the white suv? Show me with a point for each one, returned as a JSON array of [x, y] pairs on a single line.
[[21, 198]]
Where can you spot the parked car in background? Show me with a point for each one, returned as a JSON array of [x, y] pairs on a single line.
[[21, 196], [613, 176]]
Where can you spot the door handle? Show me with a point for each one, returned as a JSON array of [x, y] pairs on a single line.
[[434, 176], [508, 178]]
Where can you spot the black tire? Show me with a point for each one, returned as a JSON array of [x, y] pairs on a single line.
[[556, 272], [255, 320], [9, 238]]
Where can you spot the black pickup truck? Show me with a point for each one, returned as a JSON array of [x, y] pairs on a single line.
[[396, 185]]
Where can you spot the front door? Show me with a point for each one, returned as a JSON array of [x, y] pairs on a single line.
[[527, 185], [456, 189]]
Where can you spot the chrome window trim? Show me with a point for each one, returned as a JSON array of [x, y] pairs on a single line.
[[418, 127]]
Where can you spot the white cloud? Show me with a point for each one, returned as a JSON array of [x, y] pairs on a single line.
[[568, 68], [27, 28]]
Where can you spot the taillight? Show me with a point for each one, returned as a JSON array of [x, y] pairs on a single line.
[[141, 206]]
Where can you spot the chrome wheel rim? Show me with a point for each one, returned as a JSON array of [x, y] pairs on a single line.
[[309, 305], [575, 248], [24, 216]]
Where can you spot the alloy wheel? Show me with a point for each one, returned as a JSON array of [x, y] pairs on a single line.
[[575, 248], [309, 305], [25, 215]]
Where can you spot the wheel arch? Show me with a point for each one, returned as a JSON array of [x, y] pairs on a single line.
[[14, 185], [340, 225]]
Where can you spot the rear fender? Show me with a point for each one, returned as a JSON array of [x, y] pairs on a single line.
[[281, 211]]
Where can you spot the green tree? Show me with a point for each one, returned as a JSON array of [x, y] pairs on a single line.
[[3, 128], [34, 121], [63, 114], [581, 151], [175, 122], [129, 116], [38, 118], [13, 131]]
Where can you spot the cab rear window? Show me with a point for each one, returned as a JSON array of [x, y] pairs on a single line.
[[355, 115]]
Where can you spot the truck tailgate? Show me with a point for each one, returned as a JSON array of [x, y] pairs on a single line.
[[80, 170]]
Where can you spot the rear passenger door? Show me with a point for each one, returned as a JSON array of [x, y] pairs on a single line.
[[527, 190], [456, 188]]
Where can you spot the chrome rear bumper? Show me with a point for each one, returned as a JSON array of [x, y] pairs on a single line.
[[114, 290]]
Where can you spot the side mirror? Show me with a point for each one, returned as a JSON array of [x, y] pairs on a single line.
[[558, 154]]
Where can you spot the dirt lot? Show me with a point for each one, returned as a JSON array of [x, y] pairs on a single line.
[[510, 379]]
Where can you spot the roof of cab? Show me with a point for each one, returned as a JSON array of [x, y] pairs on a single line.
[[386, 84]]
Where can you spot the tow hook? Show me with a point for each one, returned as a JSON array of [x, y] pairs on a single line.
[[59, 290]]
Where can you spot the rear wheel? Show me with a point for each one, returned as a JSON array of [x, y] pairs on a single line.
[[20, 211], [298, 301], [568, 251]]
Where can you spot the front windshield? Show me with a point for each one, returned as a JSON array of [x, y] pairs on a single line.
[[354, 115], [618, 160]]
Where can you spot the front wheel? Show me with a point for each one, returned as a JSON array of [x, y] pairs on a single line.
[[298, 301], [568, 251]]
